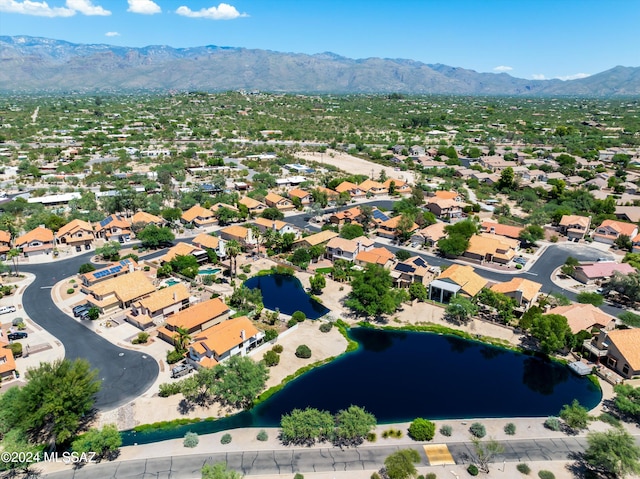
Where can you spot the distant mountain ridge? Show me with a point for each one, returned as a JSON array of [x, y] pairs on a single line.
[[32, 65]]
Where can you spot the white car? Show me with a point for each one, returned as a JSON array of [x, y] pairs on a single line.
[[7, 309]]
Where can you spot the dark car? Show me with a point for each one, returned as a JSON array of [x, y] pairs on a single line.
[[17, 335]]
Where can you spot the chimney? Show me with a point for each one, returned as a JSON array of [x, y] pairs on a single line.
[[242, 334], [131, 266], [175, 296]]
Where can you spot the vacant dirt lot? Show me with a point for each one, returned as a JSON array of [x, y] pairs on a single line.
[[354, 165]]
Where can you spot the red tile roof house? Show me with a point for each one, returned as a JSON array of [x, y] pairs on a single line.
[[38, 241], [446, 209], [589, 273], [198, 216], [195, 319], [159, 305], [512, 232], [7, 362], [281, 203], [371, 187], [118, 268], [610, 230], [351, 188], [232, 337], [5, 242], [114, 228], [619, 350], [305, 197], [574, 227], [77, 233], [389, 228]]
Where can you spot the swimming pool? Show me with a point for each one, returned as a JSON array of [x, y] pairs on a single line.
[[207, 271]]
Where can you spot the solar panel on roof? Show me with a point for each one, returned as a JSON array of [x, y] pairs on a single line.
[[106, 221], [419, 261], [405, 268], [379, 215]]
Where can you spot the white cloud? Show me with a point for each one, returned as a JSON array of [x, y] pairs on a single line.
[[145, 7], [575, 76], [39, 9], [86, 7], [112, 34], [42, 9], [502, 68], [538, 76], [224, 11]]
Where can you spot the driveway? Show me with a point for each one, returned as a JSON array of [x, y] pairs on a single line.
[[124, 374]]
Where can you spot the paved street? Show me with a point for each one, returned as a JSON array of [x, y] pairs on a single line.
[[125, 374], [289, 461]]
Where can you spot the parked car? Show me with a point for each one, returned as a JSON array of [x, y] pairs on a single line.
[[78, 310], [83, 314], [520, 260], [181, 370], [17, 335], [7, 309]]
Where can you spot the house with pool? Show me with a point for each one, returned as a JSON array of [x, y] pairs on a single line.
[[232, 337]]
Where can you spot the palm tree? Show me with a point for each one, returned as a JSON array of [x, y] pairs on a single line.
[[257, 234], [234, 248], [181, 339], [13, 254]]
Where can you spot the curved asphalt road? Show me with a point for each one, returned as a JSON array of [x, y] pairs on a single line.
[[125, 374]]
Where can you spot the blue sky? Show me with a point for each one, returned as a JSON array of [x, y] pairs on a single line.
[[525, 38]]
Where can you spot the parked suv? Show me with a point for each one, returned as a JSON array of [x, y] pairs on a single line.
[[181, 370], [17, 335], [7, 309]]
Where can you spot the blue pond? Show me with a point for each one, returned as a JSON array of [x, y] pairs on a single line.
[[287, 294], [399, 376]]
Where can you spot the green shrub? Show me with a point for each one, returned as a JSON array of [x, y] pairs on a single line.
[[299, 316], [226, 439], [142, 338], [372, 437], [277, 348], [518, 266], [262, 435], [431, 475], [523, 468], [298, 476], [609, 419], [546, 475], [422, 429], [291, 323], [303, 351], [510, 429], [271, 358], [395, 433], [190, 439], [446, 430], [174, 356], [326, 327], [169, 389], [270, 334], [478, 430], [375, 475], [472, 469], [553, 423], [71, 291], [16, 349]]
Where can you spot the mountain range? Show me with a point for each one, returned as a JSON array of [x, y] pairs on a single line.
[[38, 65]]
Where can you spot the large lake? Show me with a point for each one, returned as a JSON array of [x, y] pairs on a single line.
[[286, 293], [399, 376]]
